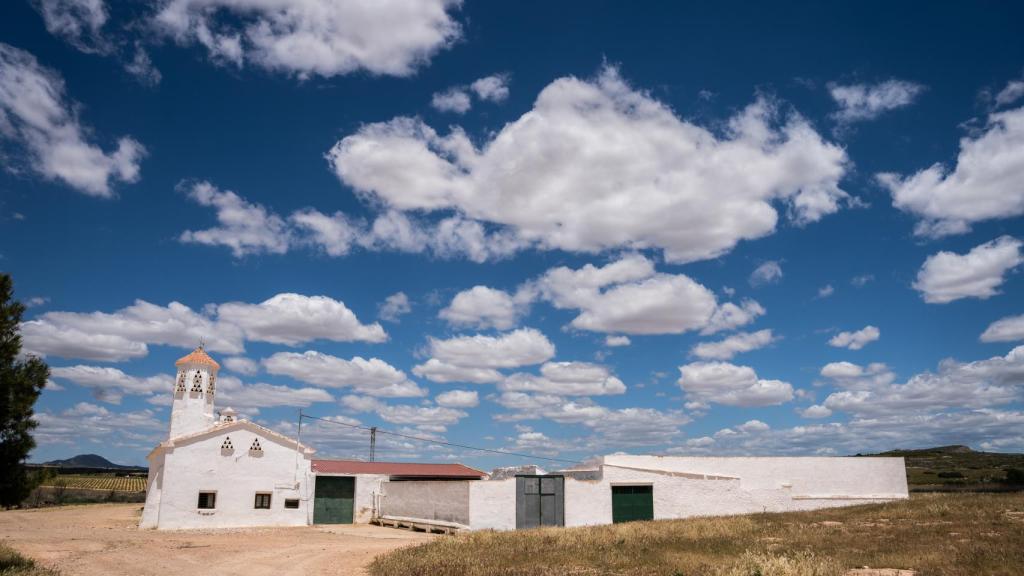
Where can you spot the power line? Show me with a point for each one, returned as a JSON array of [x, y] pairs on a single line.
[[435, 441]]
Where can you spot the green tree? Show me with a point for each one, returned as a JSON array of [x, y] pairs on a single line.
[[21, 381]]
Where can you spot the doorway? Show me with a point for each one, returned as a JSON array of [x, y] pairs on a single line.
[[334, 499], [630, 503], [540, 501]]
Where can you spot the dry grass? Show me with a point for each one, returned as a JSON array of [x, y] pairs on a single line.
[[14, 564], [935, 534]]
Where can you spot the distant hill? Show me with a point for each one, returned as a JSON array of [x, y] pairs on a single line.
[[960, 468], [937, 451], [88, 461]]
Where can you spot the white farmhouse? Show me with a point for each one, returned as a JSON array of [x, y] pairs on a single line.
[[230, 472], [213, 473], [226, 472]]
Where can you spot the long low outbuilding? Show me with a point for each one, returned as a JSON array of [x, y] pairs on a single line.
[[621, 488]]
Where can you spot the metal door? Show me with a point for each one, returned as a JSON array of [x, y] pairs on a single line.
[[631, 503], [333, 500], [540, 501]]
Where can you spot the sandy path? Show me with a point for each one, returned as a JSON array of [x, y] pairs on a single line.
[[103, 539]]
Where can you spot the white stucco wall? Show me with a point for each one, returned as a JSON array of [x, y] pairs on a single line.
[[734, 486], [492, 504], [198, 464], [808, 476], [154, 491]]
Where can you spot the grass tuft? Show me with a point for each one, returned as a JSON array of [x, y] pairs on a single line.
[[14, 564]]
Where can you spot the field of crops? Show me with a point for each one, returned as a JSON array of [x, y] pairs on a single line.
[[106, 482]]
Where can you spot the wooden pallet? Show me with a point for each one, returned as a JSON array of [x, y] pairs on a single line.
[[415, 525]]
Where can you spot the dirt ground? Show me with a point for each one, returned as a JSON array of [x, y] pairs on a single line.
[[103, 539]]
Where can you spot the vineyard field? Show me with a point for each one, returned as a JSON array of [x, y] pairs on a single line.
[[99, 482]]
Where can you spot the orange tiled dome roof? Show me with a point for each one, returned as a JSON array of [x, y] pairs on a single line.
[[198, 356]]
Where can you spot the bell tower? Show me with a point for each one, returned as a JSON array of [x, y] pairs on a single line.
[[194, 388]]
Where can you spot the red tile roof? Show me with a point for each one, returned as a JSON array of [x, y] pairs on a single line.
[[197, 356], [395, 469]]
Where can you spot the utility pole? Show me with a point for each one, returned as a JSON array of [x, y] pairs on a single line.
[[298, 447], [373, 442]]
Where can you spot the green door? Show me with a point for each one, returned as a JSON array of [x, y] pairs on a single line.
[[631, 503], [333, 499]]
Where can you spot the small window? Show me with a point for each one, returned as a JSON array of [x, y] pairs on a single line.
[[181, 383], [291, 503], [256, 446], [227, 444], [207, 500], [262, 501], [197, 382], [210, 388]]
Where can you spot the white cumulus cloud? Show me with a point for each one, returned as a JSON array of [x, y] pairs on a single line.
[[732, 385], [984, 184], [733, 345], [483, 307], [947, 276], [768, 273], [493, 88], [627, 296], [373, 377], [600, 166], [453, 100], [437, 371], [816, 411], [616, 341], [289, 319], [314, 37], [1011, 93], [458, 399], [858, 102], [857, 339], [110, 384], [873, 392], [566, 379], [124, 334], [294, 318], [40, 124], [241, 365], [244, 227], [1005, 330], [79, 22], [395, 306], [522, 347]]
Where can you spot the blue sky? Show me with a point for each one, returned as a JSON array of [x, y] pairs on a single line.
[[565, 230]]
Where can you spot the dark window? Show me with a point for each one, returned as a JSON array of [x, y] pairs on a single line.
[[262, 501], [207, 500], [291, 503]]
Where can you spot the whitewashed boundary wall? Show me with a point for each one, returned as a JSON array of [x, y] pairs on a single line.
[[432, 500]]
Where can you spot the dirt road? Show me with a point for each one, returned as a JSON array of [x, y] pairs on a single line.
[[103, 539]]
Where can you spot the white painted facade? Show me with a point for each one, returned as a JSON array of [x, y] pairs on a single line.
[[684, 487], [233, 459]]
